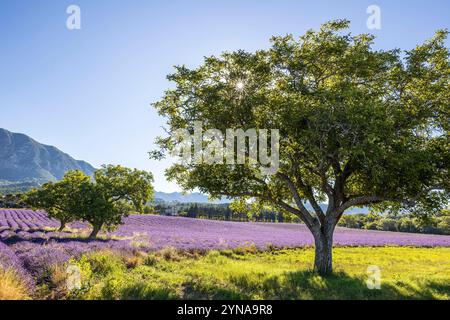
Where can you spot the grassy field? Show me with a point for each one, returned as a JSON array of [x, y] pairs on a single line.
[[406, 273]]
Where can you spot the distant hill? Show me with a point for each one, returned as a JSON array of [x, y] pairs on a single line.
[[25, 162]]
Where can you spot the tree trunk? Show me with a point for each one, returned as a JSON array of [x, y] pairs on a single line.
[[323, 263], [95, 231], [62, 226]]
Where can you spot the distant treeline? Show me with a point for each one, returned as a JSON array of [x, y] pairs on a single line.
[[403, 223], [218, 212], [12, 201], [439, 224], [10, 188]]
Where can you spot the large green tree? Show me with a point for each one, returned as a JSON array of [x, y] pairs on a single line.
[[358, 126]]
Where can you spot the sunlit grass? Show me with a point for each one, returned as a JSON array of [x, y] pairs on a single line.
[[406, 273], [11, 286]]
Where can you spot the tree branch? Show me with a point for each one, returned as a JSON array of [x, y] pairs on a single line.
[[365, 200], [305, 215], [315, 205]]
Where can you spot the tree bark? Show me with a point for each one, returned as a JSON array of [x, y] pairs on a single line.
[[62, 226], [95, 231], [323, 238]]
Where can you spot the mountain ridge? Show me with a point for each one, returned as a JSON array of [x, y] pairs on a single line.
[[24, 159]]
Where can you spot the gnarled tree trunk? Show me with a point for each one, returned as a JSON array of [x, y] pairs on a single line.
[[323, 239], [323, 263]]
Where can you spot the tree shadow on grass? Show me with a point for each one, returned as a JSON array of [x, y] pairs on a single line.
[[300, 285], [339, 286], [191, 290], [142, 291], [194, 290]]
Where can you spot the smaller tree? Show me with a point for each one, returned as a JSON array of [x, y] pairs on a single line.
[[115, 192], [57, 198]]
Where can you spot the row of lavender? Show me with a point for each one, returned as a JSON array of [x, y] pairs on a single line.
[[18, 225], [29, 242]]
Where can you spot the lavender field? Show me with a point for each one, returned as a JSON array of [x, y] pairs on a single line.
[[18, 227], [30, 244], [26, 231]]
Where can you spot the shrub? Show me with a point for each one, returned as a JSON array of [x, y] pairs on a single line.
[[11, 286], [150, 260], [134, 260], [247, 247], [351, 221], [444, 224], [170, 254], [387, 224], [104, 262], [41, 261], [10, 261], [148, 210], [54, 286], [371, 225], [406, 225]]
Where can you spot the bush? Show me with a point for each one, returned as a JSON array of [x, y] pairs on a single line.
[[170, 254], [150, 260], [371, 225], [351, 221], [11, 286], [103, 263], [148, 210], [407, 225], [443, 224], [387, 224]]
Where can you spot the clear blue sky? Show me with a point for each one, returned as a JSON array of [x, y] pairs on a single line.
[[88, 91]]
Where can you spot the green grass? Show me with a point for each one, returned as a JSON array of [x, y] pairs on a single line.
[[406, 273]]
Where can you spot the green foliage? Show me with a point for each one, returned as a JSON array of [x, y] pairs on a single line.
[[15, 187], [387, 224], [407, 225], [371, 225], [223, 211], [443, 224], [148, 210], [351, 221], [368, 119], [61, 199], [117, 191], [12, 200], [438, 224], [358, 126], [103, 202]]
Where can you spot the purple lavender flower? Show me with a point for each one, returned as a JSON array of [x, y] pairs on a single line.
[[9, 260], [146, 232], [40, 259]]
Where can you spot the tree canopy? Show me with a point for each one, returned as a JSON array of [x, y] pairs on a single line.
[[103, 201], [59, 199], [358, 126]]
